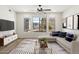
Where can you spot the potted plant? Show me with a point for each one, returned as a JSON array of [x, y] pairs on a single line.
[[43, 43]]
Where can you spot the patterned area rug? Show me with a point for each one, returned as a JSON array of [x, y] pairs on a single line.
[[27, 47]]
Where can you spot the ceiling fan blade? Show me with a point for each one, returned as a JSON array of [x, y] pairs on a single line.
[[41, 9], [46, 9]]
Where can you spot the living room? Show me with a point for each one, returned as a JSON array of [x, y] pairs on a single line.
[[27, 32], [22, 24]]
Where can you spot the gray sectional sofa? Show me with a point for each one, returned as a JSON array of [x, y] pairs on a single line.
[[71, 46]]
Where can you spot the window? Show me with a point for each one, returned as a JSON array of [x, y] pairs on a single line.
[[51, 24], [39, 24], [70, 22], [26, 24], [36, 24], [43, 25]]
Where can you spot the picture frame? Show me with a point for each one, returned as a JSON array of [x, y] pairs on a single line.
[[70, 22], [64, 24]]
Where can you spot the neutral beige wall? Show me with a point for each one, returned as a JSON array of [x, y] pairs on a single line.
[[71, 11], [20, 24]]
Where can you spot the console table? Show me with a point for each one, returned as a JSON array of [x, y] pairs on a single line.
[[6, 40]]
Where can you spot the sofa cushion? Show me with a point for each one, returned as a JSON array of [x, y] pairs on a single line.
[[56, 33], [62, 34], [59, 34], [69, 37]]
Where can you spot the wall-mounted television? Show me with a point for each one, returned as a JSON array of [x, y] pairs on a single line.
[[6, 25]]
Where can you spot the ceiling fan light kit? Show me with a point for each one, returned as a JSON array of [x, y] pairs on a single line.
[[42, 9]]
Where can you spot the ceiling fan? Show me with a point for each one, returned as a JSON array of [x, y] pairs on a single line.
[[42, 9]]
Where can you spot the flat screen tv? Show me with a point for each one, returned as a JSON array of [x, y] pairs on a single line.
[[6, 25]]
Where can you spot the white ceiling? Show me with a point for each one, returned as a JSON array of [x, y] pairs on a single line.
[[33, 8]]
